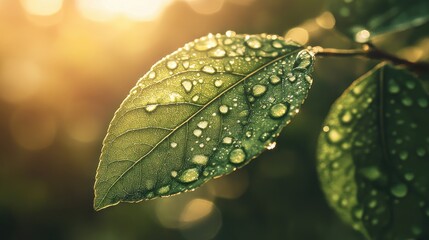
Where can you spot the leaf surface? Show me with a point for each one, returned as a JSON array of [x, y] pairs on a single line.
[[201, 112], [373, 155], [353, 17]]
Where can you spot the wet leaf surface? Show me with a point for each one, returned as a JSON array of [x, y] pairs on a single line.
[[201, 112], [373, 155]]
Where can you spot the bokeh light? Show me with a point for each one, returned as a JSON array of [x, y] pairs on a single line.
[[206, 6], [136, 10], [42, 7]]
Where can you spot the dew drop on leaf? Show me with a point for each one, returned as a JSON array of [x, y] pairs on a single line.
[[278, 110], [200, 159], [254, 43], [237, 156], [189, 175], [258, 90], [223, 109], [208, 69], [172, 64], [187, 85], [399, 190]]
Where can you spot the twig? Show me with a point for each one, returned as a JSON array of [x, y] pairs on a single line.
[[370, 51]]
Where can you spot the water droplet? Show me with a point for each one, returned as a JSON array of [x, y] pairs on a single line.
[[195, 98], [407, 101], [422, 102], [346, 117], [253, 42], [230, 33], [249, 134], [173, 144], [223, 109], [187, 85], [152, 75], [173, 174], [237, 156], [403, 155], [274, 79], [189, 175], [309, 79], [217, 53], [278, 110], [208, 69], [409, 176], [185, 64], [164, 190], [358, 213], [277, 44], [372, 203], [227, 140], [410, 84], [421, 152], [304, 60], [393, 87], [292, 79], [218, 83], [372, 173], [172, 64], [399, 190], [203, 124], [205, 44], [271, 146], [197, 132], [258, 90], [334, 136], [151, 107], [200, 159]]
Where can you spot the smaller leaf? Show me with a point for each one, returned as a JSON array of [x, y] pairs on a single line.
[[363, 19], [373, 155]]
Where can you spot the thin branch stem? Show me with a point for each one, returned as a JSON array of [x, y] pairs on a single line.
[[371, 52]]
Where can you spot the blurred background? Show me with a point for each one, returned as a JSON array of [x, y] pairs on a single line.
[[65, 66]]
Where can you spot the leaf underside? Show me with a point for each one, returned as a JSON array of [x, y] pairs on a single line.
[[378, 17], [201, 112], [373, 155]]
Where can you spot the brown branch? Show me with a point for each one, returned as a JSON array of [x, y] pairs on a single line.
[[371, 52]]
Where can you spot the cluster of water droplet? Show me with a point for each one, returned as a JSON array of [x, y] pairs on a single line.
[[211, 106], [373, 149]]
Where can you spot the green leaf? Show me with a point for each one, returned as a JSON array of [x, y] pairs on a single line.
[[363, 19], [373, 155], [199, 113]]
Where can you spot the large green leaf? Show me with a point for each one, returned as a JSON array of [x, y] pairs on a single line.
[[201, 112], [377, 17], [373, 155]]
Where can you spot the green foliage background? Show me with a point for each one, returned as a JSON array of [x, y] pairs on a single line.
[[47, 194]]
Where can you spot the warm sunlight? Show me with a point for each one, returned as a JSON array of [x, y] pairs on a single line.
[[136, 10], [42, 7]]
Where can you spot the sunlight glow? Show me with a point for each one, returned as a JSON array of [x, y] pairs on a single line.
[[42, 7], [298, 34], [135, 10], [206, 6]]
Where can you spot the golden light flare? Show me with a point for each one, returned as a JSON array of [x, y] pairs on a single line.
[[20, 79], [206, 6], [326, 20], [298, 34], [108, 10], [196, 209], [42, 7], [32, 128]]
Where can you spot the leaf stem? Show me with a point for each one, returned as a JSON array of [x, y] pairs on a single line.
[[370, 51]]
